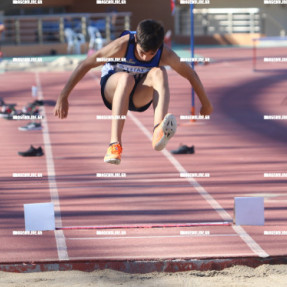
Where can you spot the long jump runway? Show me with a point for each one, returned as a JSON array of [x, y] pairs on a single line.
[[105, 213]]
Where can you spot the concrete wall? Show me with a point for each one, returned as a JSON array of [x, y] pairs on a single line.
[[160, 9], [141, 9]]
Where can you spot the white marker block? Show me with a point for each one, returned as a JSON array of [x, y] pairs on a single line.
[[39, 216], [248, 211], [34, 91]]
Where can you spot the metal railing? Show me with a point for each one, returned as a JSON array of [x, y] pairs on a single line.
[[218, 21], [50, 28]]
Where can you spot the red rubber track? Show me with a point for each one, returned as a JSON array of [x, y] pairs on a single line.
[[236, 147]]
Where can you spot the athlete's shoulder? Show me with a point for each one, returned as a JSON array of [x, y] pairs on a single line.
[[115, 49], [167, 56], [120, 43]]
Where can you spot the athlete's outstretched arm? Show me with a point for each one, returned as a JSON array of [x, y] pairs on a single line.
[[171, 59], [115, 49]]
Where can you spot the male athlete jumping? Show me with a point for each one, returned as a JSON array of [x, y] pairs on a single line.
[[135, 83]]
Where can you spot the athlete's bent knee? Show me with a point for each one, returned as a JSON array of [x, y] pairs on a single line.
[[158, 73], [127, 80]]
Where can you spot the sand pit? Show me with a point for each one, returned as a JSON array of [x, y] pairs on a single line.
[[237, 276]]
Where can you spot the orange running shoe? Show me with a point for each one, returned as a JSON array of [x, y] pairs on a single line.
[[164, 132], [113, 154]]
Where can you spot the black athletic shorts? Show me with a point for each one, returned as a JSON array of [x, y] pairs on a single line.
[[131, 103]]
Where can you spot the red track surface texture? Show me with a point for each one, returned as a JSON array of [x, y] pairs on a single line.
[[236, 147]]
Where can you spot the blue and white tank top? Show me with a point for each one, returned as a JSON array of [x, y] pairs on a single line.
[[131, 64]]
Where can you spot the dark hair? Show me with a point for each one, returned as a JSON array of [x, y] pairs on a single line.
[[149, 35]]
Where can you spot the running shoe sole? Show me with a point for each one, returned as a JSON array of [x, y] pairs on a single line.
[[168, 126], [113, 160]]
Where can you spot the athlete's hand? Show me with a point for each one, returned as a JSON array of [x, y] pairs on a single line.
[[61, 108], [206, 110]]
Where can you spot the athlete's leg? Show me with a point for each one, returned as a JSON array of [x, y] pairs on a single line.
[[117, 92], [154, 86]]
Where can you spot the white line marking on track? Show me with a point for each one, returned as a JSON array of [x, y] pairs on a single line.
[[150, 236], [126, 180], [59, 234], [254, 246], [213, 203]]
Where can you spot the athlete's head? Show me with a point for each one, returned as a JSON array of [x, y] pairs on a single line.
[[149, 37]]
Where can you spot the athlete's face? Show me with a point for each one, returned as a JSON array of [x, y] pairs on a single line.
[[144, 56]]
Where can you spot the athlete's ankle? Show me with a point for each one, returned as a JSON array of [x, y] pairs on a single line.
[[117, 142], [155, 127]]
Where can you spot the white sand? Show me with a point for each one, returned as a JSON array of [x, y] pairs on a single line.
[[238, 276]]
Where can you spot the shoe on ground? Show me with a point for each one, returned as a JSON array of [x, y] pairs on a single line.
[[7, 111], [114, 154], [164, 132], [35, 112], [32, 126], [38, 103], [32, 152], [184, 149], [29, 108], [2, 103]]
